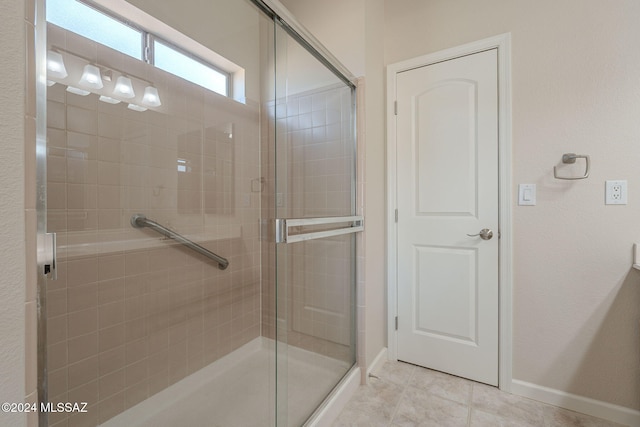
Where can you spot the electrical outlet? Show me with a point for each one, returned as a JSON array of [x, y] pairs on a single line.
[[616, 192]]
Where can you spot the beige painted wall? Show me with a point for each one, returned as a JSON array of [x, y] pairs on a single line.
[[375, 179], [338, 25], [12, 204], [353, 31], [575, 89]]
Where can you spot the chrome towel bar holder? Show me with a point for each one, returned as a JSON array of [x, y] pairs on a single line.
[[570, 158]]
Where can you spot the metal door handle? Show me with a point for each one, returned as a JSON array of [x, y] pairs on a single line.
[[283, 225], [485, 234]]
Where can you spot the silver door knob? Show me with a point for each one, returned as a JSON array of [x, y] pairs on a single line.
[[485, 234]]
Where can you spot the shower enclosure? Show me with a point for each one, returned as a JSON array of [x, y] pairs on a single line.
[[196, 217]]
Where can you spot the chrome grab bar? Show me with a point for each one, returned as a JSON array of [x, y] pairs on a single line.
[[283, 226], [141, 221]]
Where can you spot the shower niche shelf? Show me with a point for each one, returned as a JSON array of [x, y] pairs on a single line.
[[83, 243]]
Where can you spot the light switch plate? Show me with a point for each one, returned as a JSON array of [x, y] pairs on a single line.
[[527, 195]]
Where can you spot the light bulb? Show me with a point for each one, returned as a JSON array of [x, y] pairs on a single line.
[[124, 88], [151, 97], [91, 77], [55, 65]]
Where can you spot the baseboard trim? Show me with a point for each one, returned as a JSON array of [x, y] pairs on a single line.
[[573, 402], [377, 363]]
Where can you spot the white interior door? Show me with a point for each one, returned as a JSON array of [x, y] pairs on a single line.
[[447, 189]]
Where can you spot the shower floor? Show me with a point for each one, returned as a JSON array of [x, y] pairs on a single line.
[[238, 390]]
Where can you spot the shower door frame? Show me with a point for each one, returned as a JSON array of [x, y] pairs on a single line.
[[46, 245], [347, 384], [40, 49]]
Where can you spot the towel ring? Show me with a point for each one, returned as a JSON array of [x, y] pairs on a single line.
[[570, 158]]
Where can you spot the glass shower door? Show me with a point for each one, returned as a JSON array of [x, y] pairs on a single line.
[[314, 202], [143, 185]]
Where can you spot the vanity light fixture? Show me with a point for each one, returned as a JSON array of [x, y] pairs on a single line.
[[109, 100], [151, 97], [91, 77], [135, 107], [77, 91], [124, 88], [55, 65]]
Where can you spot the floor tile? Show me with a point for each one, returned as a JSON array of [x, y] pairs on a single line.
[[351, 417], [404, 395], [558, 417], [397, 372], [421, 408], [486, 419], [492, 400], [443, 385]]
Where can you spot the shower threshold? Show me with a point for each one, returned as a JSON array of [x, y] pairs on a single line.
[[237, 390]]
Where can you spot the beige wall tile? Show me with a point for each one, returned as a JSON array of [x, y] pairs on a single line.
[[57, 355], [82, 120], [111, 384], [135, 351], [109, 197], [81, 347], [82, 322], [82, 271], [57, 381], [56, 303], [136, 394], [82, 297], [112, 337], [81, 196], [31, 347], [111, 360], [136, 263], [82, 372], [56, 115], [135, 373], [57, 329], [110, 314]]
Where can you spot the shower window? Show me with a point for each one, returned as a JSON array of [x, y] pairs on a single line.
[[95, 25], [189, 68], [110, 31]]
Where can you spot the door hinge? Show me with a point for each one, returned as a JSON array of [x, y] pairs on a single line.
[[395, 108], [396, 215], [396, 323]]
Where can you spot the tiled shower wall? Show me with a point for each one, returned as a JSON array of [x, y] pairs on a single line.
[[315, 157], [131, 313]]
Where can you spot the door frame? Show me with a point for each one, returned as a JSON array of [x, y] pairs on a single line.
[[503, 44]]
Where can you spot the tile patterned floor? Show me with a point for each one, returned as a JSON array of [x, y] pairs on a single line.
[[405, 395]]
